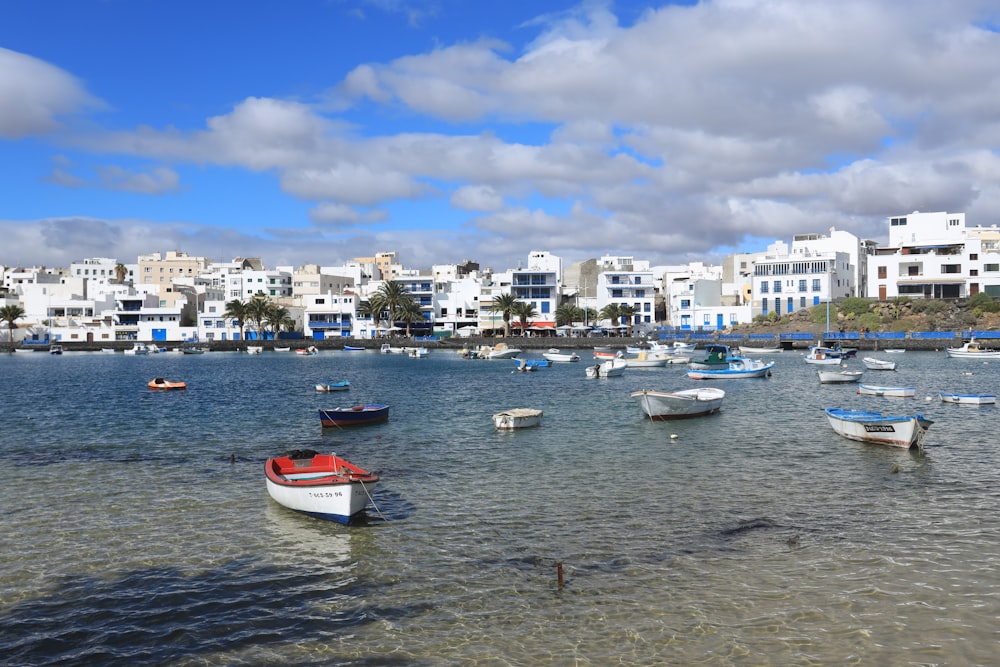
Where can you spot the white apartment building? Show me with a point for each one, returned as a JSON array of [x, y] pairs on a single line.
[[784, 282], [623, 280], [934, 256], [838, 241]]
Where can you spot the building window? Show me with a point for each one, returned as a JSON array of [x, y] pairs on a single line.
[[685, 304], [777, 287], [881, 272], [763, 306], [974, 255], [991, 268], [763, 287], [802, 286], [802, 302], [815, 285]]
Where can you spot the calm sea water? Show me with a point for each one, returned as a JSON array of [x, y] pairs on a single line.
[[136, 526]]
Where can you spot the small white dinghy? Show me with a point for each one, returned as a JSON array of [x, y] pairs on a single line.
[[515, 418], [663, 405]]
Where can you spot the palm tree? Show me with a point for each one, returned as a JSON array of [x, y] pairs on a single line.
[[236, 310], [278, 318], [610, 312], [568, 314], [370, 308], [256, 313], [120, 272], [523, 311], [628, 313], [410, 312], [391, 296], [504, 304], [10, 314]]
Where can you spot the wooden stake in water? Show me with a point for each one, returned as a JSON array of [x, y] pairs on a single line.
[[559, 575]]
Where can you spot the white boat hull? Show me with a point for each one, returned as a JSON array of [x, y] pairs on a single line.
[[555, 356], [509, 420], [895, 431], [662, 405], [834, 377], [972, 350], [874, 364], [738, 369], [894, 392], [608, 369], [333, 502], [759, 350], [968, 399]]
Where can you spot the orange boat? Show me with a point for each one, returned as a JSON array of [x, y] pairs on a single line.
[[160, 383]]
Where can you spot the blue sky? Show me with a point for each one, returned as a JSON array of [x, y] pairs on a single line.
[[446, 130]]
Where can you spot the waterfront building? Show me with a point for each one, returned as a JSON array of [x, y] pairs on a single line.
[[627, 282], [934, 256], [784, 282]]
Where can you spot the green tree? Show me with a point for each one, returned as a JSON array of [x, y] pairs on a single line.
[[504, 304], [611, 313], [410, 312], [278, 319], [390, 297], [236, 310], [524, 312], [256, 313], [627, 314], [10, 314], [568, 314]]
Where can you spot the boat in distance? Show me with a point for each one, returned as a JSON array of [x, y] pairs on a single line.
[[342, 385], [873, 364], [357, 415], [894, 392], [611, 368], [904, 431], [517, 418], [161, 383], [834, 377], [324, 486], [972, 350], [968, 399], [739, 367], [555, 355], [683, 404]]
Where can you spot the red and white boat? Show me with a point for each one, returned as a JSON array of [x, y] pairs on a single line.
[[324, 486]]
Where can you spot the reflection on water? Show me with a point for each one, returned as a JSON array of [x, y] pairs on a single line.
[[140, 529]]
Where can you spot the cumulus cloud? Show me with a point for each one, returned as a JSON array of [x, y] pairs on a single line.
[[35, 94]]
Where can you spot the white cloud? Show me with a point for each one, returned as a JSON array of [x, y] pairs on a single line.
[[34, 94]]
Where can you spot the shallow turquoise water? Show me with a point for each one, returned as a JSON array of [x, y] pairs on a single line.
[[138, 529]]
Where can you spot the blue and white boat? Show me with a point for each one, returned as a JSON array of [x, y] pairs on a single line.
[[968, 399], [904, 431], [739, 367], [894, 392]]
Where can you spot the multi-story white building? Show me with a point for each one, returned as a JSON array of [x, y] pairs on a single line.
[[627, 282], [784, 282], [934, 256]]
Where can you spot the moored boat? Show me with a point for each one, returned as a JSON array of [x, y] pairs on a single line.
[[55, 349], [254, 349], [353, 348], [161, 383], [895, 392], [972, 350], [894, 430], [738, 368], [517, 418], [607, 369], [324, 486], [968, 399], [663, 405], [342, 385], [500, 351], [833, 377], [717, 357], [556, 355], [357, 415], [306, 351], [644, 360], [822, 355], [874, 364]]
